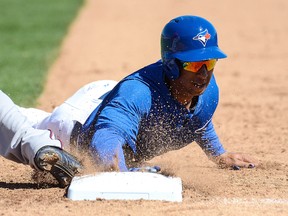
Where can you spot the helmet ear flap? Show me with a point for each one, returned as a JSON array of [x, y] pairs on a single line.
[[171, 68]]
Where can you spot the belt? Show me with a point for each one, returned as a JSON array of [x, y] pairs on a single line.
[[75, 133]]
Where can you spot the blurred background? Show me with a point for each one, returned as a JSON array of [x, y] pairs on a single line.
[[31, 32]]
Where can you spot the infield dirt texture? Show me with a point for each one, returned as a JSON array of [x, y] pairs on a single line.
[[110, 39]]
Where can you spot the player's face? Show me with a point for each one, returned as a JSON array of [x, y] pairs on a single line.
[[195, 83]]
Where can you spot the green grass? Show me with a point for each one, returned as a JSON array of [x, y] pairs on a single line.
[[31, 32]]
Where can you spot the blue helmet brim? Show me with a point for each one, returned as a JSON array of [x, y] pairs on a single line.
[[212, 52]]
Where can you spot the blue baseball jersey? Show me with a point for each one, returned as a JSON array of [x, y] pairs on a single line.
[[140, 113]]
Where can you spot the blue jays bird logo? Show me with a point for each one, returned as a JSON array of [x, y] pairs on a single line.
[[203, 37]]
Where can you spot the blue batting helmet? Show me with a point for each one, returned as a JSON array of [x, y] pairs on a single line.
[[188, 38]]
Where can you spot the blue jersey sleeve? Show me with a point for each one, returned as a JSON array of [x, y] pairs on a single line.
[[119, 120], [108, 146], [208, 140]]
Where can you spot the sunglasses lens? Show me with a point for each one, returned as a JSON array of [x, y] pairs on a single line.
[[195, 66], [192, 66], [211, 64]]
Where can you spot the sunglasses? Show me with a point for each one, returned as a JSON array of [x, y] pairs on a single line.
[[195, 66]]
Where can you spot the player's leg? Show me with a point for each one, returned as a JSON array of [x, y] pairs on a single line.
[[34, 116], [86, 99], [77, 108], [21, 143]]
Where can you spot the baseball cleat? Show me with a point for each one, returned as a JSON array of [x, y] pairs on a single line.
[[62, 165]]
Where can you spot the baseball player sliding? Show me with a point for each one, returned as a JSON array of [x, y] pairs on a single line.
[[161, 107]]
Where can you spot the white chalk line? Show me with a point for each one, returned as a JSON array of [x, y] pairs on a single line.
[[250, 201]]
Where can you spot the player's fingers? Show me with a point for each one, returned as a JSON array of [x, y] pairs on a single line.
[[242, 164], [250, 160]]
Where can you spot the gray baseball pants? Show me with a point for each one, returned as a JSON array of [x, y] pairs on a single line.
[[20, 142]]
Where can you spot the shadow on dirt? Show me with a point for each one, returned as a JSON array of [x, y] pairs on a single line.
[[15, 185]]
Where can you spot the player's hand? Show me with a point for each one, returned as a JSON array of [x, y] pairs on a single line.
[[235, 161], [153, 169]]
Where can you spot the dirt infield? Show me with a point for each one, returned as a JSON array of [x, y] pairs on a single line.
[[110, 39]]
